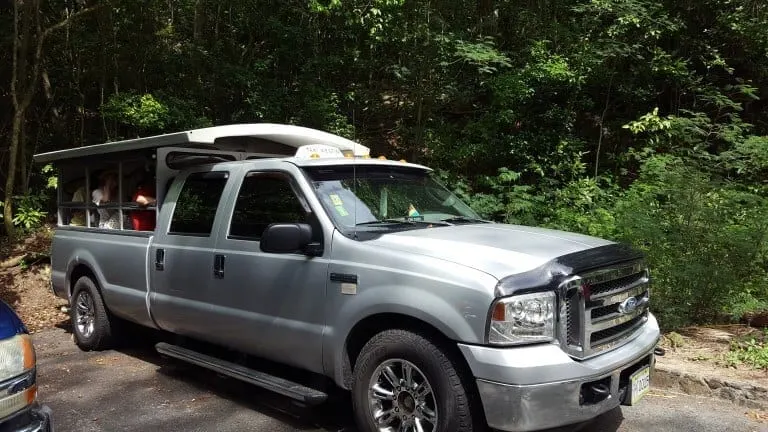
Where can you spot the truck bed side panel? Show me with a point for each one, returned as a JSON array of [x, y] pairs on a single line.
[[117, 259]]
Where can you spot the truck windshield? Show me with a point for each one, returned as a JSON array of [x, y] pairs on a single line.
[[385, 197]]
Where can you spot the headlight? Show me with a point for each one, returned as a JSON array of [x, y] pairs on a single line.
[[17, 374], [523, 319], [16, 356]]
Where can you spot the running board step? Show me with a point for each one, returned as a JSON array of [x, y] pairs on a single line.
[[272, 383]]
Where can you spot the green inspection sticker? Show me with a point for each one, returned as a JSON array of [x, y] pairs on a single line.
[[341, 210], [335, 200]]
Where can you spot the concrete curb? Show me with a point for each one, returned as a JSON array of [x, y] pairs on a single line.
[[740, 393]]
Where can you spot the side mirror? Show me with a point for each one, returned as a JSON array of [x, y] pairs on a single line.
[[288, 238]]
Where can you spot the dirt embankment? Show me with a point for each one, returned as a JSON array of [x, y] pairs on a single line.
[[703, 352], [25, 281]]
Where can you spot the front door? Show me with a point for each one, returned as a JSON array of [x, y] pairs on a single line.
[[182, 255], [270, 305]]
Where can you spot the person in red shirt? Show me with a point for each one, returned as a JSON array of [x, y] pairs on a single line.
[[144, 219]]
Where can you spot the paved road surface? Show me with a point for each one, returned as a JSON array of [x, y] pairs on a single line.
[[136, 390]]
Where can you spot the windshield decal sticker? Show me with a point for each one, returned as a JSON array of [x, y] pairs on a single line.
[[335, 199], [341, 211]]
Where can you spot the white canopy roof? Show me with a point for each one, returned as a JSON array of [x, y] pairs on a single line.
[[264, 138]]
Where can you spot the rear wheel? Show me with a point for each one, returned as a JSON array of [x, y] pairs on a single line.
[[403, 382], [92, 325]]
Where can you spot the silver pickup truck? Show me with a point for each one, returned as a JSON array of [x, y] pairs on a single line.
[[294, 246]]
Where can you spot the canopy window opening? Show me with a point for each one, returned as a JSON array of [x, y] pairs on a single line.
[[115, 196]]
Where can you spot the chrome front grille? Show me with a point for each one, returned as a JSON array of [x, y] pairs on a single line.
[[602, 309]]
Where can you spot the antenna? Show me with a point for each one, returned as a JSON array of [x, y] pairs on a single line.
[[354, 172]]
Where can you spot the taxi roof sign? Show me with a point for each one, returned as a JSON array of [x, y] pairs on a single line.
[[316, 151]]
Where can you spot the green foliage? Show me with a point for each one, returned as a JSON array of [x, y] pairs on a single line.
[[751, 350], [31, 209], [587, 206], [52, 178], [650, 122], [674, 339], [482, 54], [705, 239], [749, 159], [582, 205], [753, 299], [636, 120], [148, 114], [319, 6], [322, 111], [30, 213], [142, 111]]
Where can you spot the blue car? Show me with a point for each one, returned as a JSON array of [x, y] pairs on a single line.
[[19, 409]]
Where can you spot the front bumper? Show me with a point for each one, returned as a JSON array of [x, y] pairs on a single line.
[[35, 418], [539, 387]]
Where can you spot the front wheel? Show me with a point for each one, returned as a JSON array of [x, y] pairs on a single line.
[[403, 383], [92, 325]]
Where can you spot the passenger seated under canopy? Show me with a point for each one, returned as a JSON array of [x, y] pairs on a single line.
[[107, 193]]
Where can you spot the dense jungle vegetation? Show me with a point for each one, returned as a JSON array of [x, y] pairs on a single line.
[[643, 121]]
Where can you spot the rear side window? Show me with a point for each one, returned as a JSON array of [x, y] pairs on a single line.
[[197, 204], [264, 198]]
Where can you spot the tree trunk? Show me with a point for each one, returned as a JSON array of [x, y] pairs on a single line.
[[10, 181], [197, 25], [22, 159], [24, 80], [486, 15], [17, 76]]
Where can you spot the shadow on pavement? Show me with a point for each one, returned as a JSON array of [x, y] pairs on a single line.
[[608, 422], [137, 389], [334, 415]]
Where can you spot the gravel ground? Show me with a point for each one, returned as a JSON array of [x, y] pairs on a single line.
[[136, 390]]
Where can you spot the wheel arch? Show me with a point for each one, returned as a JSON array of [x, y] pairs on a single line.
[[83, 263], [79, 271], [368, 327], [372, 325]]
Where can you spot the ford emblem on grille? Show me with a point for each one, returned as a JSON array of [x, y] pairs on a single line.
[[628, 306]]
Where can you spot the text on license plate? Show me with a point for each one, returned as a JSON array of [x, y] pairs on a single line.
[[640, 383]]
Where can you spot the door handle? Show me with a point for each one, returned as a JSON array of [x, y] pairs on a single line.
[[218, 266], [160, 259]]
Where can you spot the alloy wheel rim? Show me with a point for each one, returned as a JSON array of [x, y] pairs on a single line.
[[84, 314], [401, 398]]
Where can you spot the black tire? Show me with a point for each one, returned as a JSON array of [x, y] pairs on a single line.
[[101, 337], [451, 389]]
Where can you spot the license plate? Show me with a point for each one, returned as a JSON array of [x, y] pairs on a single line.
[[640, 383]]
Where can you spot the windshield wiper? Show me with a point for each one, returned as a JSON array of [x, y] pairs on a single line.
[[402, 222], [387, 222], [460, 219]]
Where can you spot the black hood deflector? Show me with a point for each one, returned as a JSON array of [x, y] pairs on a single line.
[[548, 276]]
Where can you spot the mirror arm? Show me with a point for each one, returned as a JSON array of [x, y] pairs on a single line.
[[314, 249]]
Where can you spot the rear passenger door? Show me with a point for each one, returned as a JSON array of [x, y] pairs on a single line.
[[270, 305], [181, 258]]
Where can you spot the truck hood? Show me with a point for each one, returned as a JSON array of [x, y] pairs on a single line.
[[497, 249]]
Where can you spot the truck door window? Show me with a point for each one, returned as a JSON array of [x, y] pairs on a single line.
[[197, 204], [265, 198]]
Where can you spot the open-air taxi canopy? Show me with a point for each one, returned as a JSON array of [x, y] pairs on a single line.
[[136, 164], [259, 139]]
